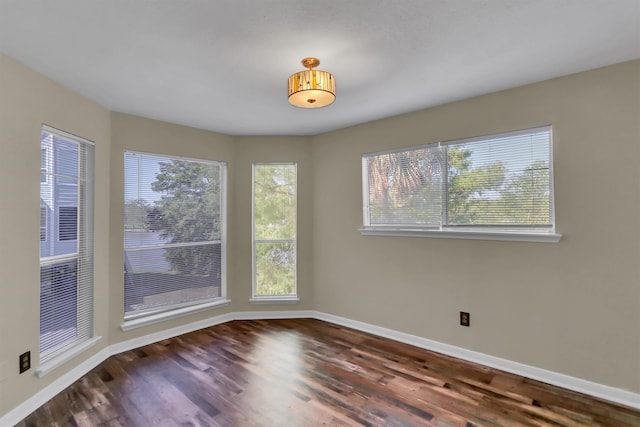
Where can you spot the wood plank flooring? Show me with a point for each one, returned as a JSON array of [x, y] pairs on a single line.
[[304, 372]]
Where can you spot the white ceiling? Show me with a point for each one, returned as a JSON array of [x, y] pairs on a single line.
[[223, 65]]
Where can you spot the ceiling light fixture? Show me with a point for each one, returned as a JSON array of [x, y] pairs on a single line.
[[311, 88]]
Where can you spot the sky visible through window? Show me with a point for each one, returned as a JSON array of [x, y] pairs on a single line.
[[143, 175]]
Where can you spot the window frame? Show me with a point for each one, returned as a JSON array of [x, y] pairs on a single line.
[[473, 232], [132, 320], [281, 298]]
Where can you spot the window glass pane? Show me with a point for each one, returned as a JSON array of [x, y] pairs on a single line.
[[58, 303], [499, 181], [59, 197], [65, 158], [275, 268], [178, 199], [405, 188], [170, 276], [172, 233], [275, 201]]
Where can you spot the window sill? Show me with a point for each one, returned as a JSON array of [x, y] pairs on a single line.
[[64, 357], [274, 300], [471, 235], [139, 322]]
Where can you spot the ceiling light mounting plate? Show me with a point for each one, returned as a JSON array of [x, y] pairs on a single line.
[[310, 62]]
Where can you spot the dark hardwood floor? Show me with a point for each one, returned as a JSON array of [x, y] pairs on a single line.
[[279, 373]]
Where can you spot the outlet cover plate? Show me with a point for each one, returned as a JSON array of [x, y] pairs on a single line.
[[465, 318], [25, 361]]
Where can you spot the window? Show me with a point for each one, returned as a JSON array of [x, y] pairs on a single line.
[[174, 234], [496, 187], [274, 231], [66, 264]]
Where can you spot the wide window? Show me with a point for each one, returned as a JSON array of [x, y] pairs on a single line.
[[274, 231], [174, 234], [494, 186], [66, 244]]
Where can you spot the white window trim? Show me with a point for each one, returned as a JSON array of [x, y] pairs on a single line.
[[468, 235], [150, 319], [64, 356], [475, 233], [274, 300]]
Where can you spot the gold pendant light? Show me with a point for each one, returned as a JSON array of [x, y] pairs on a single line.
[[311, 88]]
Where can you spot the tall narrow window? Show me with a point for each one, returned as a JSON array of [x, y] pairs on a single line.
[[274, 231], [66, 262], [174, 233]]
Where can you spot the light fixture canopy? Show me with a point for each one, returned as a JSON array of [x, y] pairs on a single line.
[[311, 88]]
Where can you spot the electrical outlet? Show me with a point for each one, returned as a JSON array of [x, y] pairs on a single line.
[[465, 318], [25, 361]]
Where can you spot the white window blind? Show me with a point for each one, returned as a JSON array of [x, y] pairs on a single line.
[[66, 242], [174, 233], [274, 230], [500, 182]]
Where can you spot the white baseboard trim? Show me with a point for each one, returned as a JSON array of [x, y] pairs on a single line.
[[260, 315], [611, 394], [576, 384]]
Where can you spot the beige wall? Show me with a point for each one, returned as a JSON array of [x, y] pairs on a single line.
[[575, 312], [27, 100], [571, 307]]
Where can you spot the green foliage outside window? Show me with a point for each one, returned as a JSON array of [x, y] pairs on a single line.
[[187, 212]]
